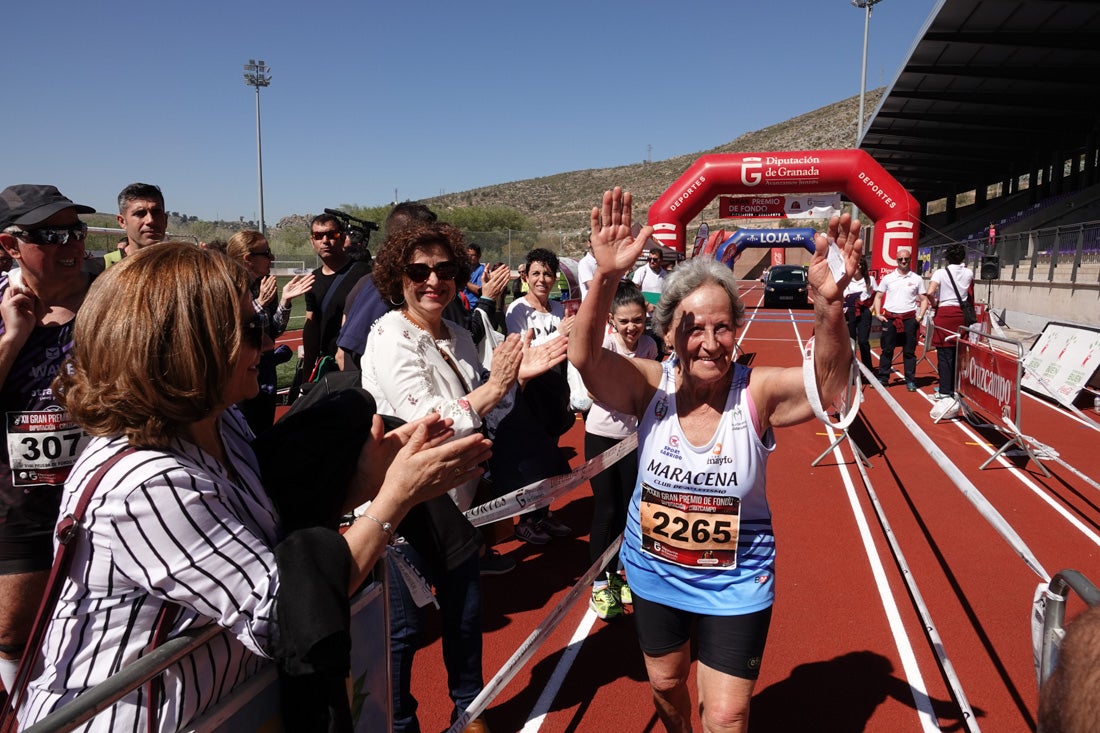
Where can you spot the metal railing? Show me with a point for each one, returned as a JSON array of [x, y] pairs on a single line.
[[1054, 615], [1066, 254]]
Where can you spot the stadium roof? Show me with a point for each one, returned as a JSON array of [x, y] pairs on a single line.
[[991, 89]]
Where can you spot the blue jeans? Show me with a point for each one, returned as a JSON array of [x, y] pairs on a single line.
[[459, 596]]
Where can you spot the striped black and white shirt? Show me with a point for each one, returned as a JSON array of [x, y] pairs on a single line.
[[163, 525]]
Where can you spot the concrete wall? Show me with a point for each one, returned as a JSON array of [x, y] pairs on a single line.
[[1030, 305]]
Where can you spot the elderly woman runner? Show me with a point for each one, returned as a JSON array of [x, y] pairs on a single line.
[[712, 571], [184, 519]]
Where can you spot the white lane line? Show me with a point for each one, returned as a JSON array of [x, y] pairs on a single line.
[[922, 703], [1024, 479], [561, 671]]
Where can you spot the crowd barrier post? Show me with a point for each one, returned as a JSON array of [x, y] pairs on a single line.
[[1049, 615], [929, 327], [987, 381]]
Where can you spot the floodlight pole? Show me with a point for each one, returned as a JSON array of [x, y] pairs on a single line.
[[256, 75], [867, 5]]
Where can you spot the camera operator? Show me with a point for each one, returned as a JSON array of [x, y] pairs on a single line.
[[357, 235], [332, 282], [364, 304]]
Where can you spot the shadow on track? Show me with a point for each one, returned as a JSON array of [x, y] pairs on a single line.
[[838, 696]]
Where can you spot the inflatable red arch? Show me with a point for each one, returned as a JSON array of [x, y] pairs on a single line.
[[854, 173]]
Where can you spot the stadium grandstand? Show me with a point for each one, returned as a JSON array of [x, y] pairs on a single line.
[[992, 123]]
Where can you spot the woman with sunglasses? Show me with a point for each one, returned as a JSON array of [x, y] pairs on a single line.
[[251, 249], [180, 529], [416, 363]]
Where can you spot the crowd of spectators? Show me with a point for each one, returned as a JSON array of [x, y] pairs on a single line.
[[164, 406]]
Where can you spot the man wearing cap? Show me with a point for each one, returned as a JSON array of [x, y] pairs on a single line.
[[40, 231], [900, 303], [141, 213]]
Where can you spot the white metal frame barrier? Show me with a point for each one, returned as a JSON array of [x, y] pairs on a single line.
[[1049, 615], [255, 700]]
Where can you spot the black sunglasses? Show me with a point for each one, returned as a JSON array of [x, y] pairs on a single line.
[[263, 253], [331, 234], [54, 235], [903, 259], [418, 272], [253, 331]]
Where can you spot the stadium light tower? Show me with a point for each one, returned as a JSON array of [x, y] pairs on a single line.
[[256, 75], [866, 5]]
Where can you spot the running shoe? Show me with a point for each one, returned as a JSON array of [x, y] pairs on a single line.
[[528, 531], [604, 603], [618, 586], [493, 563], [553, 527], [911, 386], [477, 725]]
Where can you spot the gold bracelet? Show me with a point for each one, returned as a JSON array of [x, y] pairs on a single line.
[[386, 527]]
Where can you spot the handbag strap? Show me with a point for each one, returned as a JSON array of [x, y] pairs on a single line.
[[954, 286], [155, 686], [63, 559]]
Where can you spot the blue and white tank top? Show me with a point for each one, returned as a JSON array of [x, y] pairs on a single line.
[[699, 532]]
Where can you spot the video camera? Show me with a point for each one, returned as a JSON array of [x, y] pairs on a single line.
[[358, 233]]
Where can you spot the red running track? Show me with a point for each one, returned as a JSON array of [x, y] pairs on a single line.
[[847, 650]]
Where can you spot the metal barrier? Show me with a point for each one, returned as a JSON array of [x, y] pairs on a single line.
[[1036, 253], [112, 231], [987, 381], [1053, 616], [254, 705]]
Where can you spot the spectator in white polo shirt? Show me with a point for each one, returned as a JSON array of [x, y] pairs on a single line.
[[651, 278], [900, 304]]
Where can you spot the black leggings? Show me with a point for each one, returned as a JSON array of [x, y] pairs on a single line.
[[611, 489]]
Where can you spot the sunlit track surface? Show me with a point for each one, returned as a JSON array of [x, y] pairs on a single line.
[[847, 650]]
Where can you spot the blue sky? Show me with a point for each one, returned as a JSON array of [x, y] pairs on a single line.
[[419, 97]]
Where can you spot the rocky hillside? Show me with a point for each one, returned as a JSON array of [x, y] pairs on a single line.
[[562, 201]]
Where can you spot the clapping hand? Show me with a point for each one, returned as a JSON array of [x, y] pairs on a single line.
[[542, 358], [494, 282], [269, 288], [297, 285], [507, 359], [418, 443]]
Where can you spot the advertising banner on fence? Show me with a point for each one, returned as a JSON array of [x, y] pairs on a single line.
[[1062, 361], [989, 380], [814, 206]]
